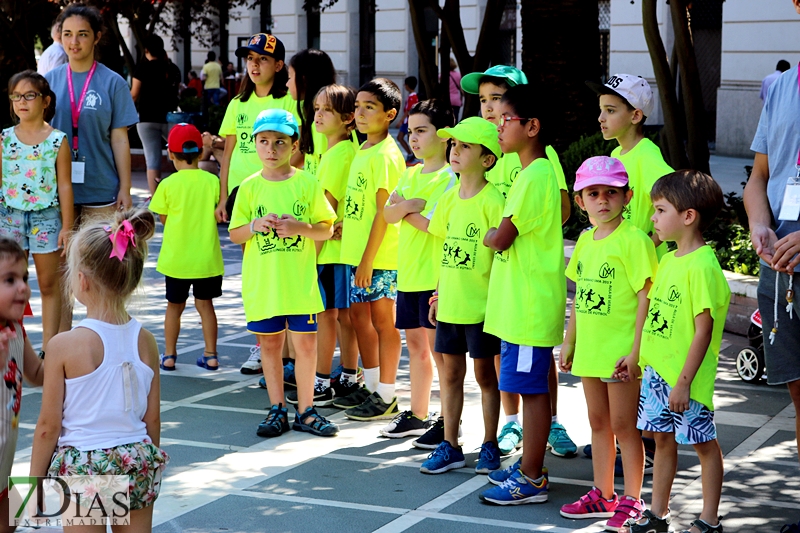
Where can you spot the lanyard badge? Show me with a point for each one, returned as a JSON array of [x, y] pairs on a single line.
[[78, 163]]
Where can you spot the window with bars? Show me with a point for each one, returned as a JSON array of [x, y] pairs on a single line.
[[506, 52], [604, 24]]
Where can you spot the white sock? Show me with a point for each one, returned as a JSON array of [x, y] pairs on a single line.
[[371, 378], [348, 379], [321, 383], [386, 391], [554, 420], [513, 418]]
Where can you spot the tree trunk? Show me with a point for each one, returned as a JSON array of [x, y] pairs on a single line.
[[443, 92], [427, 70], [697, 145]]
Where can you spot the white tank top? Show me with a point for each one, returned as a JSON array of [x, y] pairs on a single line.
[[105, 408]]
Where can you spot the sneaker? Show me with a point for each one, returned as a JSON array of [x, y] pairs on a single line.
[[253, 363], [649, 459], [489, 458], [373, 408], [318, 424], [516, 490], [442, 459], [262, 382], [342, 390], [650, 523], [406, 424], [498, 477], [591, 505], [276, 423], [288, 376], [791, 528], [322, 397], [587, 451], [435, 436], [627, 509], [354, 399], [559, 442], [510, 438], [336, 374]]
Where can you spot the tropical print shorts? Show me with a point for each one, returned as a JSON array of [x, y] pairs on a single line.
[[144, 462], [384, 285], [693, 426]]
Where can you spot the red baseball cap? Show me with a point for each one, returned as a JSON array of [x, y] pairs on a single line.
[[180, 135]]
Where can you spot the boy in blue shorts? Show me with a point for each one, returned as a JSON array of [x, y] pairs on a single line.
[[527, 290], [190, 255], [278, 214], [680, 346]]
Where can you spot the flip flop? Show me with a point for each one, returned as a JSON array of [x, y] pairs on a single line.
[[202, 361], [164, 358]]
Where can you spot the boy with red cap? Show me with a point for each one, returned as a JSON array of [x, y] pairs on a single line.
[[190, 253]]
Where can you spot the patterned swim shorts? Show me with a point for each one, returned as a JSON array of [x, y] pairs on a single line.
[[384, 285]]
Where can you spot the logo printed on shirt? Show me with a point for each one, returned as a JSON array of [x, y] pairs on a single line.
[[242, 119], [473, 231], [606, 271], [355, 199], [460, 252], [299, 208], [660, 318], [674, 295], [269, 241], [93, 100], [593, 295]]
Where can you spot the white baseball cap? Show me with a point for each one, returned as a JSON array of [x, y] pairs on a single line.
[[633, 89]]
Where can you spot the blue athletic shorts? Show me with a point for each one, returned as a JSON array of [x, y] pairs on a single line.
[[334, 285], [693, 426], [524, 369], [384, 285], [412, 310], [277, 324]]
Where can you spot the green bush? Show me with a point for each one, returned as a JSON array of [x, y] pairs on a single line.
[[215, 115]]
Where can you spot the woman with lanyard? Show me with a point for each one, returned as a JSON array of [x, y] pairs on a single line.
[[772, 200], [94, 107]]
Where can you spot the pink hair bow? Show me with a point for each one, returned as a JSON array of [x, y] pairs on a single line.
[[120, 240]]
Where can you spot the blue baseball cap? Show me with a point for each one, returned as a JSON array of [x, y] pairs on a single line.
[[278, 120], [263, 44]]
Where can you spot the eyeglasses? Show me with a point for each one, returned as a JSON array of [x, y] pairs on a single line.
[[16, 97], [505, 119]]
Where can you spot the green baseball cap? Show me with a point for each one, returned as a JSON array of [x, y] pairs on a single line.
[[471, 82], [474, 130]]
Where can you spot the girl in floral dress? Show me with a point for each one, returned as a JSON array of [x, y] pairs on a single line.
[[36, 196]]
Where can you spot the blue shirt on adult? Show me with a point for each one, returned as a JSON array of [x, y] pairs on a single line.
[[778, 136], [108, 105]]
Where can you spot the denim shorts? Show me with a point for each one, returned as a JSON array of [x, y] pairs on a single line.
[[384, 285], [36, 231]]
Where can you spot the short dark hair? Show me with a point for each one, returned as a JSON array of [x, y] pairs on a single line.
[[386, 91], [783, 65], [439, 112], [9, 249], [529, 102], [190, 157], [411, 81], [211, 56], [690, 189], [155, 45], [500, 82], [41, 85]]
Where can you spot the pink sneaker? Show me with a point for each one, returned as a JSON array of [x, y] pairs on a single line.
[[627, 509], [592, 505]]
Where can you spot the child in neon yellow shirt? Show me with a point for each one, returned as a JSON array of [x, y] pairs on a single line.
[[369, 245], [412, 204], [680, 346], [613, 262], [527, 290], [190, 252], [277, 214]]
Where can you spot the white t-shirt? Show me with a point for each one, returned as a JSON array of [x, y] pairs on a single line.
[[53, 56]]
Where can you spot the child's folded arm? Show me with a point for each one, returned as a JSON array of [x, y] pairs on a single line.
[[500, 239], [703, 329], [419, 221]]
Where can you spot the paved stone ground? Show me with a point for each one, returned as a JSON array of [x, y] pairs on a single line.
[[222, 477]]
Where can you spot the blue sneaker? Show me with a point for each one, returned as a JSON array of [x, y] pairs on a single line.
[[489, 458], [442, 459], [510, 438], [289, 381], [559, 442], [498, 477], [262, 382], [517, 489]]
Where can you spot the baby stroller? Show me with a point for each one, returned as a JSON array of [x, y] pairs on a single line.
[[750, 362]]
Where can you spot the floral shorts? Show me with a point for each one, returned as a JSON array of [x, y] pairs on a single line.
[[144, 462], [384, 285], [693, 426], [36, 231]]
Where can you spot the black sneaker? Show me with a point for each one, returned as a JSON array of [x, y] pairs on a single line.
[[343, 390], [354, 399], [432, 438], [406, 424], [373, 408], [276, 423], [322, 397]]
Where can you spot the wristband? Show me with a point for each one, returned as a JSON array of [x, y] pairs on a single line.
[[252, 227], [432, 299]]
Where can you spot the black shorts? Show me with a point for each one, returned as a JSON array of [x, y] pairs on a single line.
[[202, 289], [456, 339], [230, 201], [412, 310]]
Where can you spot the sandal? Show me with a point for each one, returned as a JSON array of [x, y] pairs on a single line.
[[704, 527], [650, 523], [202, 361], [165, 358], [319, 425]]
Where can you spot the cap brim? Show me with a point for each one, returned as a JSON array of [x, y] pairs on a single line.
[[471, 83], [244, 50], [600, 181], [599, 88], [465, 137], [286, 130]]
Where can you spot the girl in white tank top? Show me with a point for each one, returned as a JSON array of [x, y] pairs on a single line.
[[100, 404]]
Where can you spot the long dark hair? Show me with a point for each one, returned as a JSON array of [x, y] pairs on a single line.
[[40, 84], [313, 70], [278, 89]]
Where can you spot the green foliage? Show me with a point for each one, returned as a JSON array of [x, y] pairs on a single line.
[[190, 104], [731, 240], [215, 115]]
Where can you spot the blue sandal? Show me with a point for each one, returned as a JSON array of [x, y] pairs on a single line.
[[166, 357], [202, 361], [319, 425]]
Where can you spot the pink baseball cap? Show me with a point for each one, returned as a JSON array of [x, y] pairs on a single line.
[[601, 170]]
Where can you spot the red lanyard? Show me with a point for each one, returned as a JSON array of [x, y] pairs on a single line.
[[76, 109]]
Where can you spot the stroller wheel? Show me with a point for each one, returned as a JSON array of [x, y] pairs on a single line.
[[750, 365]]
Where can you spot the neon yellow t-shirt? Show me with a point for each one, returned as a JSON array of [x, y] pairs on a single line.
[[377, 167], [279, 276], [527, 290], [465, 262], [684, 287], [332, 175], [238, 121], [418, 251], [190, 248], [644, 165], [608, 275], [508, 167], [312, 161]]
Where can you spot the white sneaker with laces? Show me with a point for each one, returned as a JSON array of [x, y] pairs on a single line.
[[253, 363]]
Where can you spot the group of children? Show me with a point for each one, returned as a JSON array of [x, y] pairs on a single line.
[[463, 251]]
